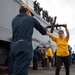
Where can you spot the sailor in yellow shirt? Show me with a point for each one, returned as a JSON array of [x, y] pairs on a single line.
[[62, 54], [49, 54]]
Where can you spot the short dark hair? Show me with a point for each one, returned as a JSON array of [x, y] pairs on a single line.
[[37, 47], [22, 9], [61, 31], [44, 46]]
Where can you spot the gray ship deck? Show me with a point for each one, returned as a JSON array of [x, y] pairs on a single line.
[[52, 71], [47, 71]]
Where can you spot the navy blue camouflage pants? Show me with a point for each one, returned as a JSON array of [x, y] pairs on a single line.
[[20, 55]]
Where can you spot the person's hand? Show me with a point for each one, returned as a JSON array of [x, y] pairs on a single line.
[[46, 27], [65, 25], [47, 32]]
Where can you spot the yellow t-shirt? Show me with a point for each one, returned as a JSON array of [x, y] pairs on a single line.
[[46, 55], [49, 52], [62, 46]]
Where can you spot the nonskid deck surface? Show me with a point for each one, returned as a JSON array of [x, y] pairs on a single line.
[[47, 71]]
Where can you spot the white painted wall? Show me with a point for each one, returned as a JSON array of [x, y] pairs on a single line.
[[8, 10]]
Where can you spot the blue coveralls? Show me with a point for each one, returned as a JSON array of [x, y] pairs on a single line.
[[36, 57], [21, 46]]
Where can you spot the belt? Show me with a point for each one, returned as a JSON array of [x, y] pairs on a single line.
[[21, 40], [26, 40]]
